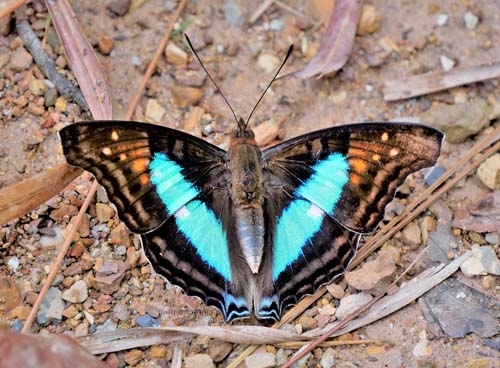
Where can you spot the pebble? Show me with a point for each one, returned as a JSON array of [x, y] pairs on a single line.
[[175, 55], [119, 7], [52, 308], [35, 109], [120, 235], [447, 63], [133, 357], [307, 323], [440, 243], [411, 235], [471, 20], [120, 311], [266, 132], [233, 13], [77, 293], [105, 44], [489, 172], [457, 310], [351, 303], [422, 349], [64, 211], [37, 86], [52, 240], [276, 25], [483, 261], [4, 56], [321, 9], [13, 263], [492, 238], [104, 212], [61, 104], [369, 20], [135, 60], [336, 290], [260, 360], [158, 351], [442, 19], [20, 60], [431, 175], [480, 363], [147, 321], [186, 96], [327, 360], [459, 121], [489, 282], [107, 326], [218, 350], [268, 62], [50, 97], [198, 360], [154, 111], [375, 275]]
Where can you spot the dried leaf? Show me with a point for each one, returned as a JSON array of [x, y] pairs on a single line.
[[21, 197], [82, 59], [423, 84], [337, 42], [44, 351]]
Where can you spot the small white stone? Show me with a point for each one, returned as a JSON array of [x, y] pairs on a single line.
[[13, 263], [441, 19], [447, 63], [369, 88], [261, 360], [471, 20], [268, 62]]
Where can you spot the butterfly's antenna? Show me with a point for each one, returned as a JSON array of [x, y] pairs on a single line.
[[209, 76], [290, 49]]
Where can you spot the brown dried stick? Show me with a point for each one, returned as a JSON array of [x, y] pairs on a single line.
[[151, 68], [10, 8]]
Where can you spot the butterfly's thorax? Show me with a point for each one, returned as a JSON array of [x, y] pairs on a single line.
[[247, 194]]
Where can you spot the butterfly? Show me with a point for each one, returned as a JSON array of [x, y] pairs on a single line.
[[250, 230]]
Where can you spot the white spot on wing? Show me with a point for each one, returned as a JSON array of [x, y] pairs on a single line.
[[314, 212], [183, 213]]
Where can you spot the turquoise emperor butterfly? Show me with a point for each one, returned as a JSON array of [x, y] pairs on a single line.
[[248, 230]]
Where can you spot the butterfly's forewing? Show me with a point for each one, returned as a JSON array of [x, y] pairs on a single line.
[[338, 176], [120, 154], [173, 189], [378, 156]]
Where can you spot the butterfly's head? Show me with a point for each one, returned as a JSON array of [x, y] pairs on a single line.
[[242, 134]]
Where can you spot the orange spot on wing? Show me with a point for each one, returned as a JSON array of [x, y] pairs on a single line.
[[358, 165], [385, 137], [106, 151], [144, 179], [140, 165], [114, 135], [123, 156], [376, 157], [354, 178]]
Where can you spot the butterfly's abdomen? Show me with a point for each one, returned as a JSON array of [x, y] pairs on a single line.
[[247, 194]]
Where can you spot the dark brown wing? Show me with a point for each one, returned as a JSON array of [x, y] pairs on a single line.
[[380, 156], [119, 154]]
